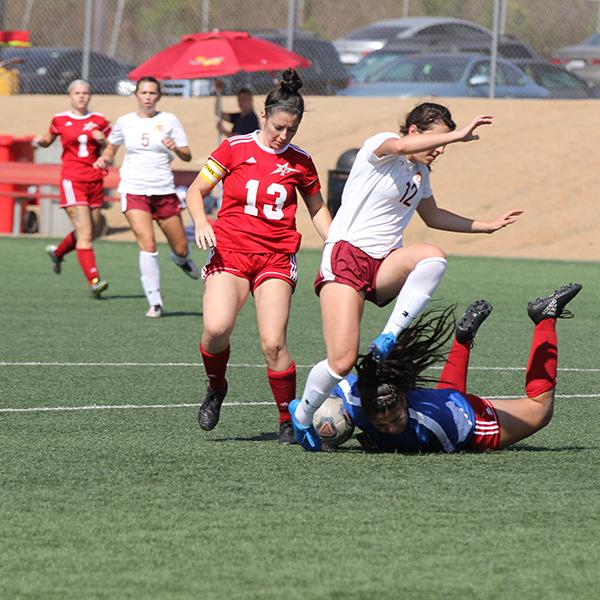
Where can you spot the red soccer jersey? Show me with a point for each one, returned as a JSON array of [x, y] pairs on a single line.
[[80, 149], [258, 211]]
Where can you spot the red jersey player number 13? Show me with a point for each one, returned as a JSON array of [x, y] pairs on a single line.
[[258, 210], [253, 244]]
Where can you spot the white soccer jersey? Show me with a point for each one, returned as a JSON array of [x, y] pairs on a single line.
[[146, 169], [379, 199]]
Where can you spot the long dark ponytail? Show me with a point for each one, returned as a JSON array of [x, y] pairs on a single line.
[[420, 346]]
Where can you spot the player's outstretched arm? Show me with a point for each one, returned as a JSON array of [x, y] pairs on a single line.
[[205, 236], [411, 144], [319, 213], [440, 218]]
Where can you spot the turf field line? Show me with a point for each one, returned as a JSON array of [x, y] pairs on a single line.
[[121, 407], [31, 409], [234, 365]]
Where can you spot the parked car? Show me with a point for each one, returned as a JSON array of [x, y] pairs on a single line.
[[508, 47], [558, 81], [49, 70], [583, 59], [429, 31], [325, 76], [443, 75]]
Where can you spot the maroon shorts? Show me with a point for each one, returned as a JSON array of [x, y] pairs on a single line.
[[160, 207], [344, 263], [487, 426], [81, 193], [256, 268]]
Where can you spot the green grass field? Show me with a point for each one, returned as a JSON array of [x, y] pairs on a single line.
[[110, 490]]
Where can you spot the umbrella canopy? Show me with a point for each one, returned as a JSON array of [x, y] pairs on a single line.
[[216, 54]]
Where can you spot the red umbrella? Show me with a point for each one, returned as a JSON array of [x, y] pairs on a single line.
[[216, 54]]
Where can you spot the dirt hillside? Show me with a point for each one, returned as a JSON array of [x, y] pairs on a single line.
[[542, 156]]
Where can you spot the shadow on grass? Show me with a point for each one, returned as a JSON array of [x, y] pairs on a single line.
[[518, 448], [121, 296], [261, 437], [182, 313], [272, 437]]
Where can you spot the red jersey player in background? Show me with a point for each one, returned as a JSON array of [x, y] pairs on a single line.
[[83, 135], [253, 244]]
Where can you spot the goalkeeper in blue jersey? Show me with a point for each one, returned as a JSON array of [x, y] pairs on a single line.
[[395, 413]]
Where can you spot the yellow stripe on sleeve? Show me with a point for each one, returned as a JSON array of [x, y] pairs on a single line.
[[212, 172]]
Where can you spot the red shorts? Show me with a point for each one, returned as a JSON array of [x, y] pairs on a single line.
[[344, 263], [81, 193], [487, 426], [160, 207], [256, 268]]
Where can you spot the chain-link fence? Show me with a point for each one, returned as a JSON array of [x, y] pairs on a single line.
[[351, 51]]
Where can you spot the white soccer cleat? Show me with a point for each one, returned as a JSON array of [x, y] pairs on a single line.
[[154, 312]]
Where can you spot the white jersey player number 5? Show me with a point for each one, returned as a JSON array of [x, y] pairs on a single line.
[[275, 189]]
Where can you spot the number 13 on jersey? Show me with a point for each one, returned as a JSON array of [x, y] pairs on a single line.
[[275, 192]]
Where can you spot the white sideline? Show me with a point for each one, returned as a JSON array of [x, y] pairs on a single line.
[[231, 365], [121, 407], [188, 405]]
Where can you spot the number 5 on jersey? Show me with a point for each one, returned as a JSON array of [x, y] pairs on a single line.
[[273, 212]]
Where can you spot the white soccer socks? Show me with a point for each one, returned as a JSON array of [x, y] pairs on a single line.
[[321, 380], [150, 276], [415, 293]]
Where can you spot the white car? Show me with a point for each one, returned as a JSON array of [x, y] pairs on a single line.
[[429, 31]]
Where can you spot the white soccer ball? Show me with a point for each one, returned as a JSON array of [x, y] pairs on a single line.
[[332, 423]]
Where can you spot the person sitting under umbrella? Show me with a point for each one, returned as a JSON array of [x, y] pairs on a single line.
[[244, 121]]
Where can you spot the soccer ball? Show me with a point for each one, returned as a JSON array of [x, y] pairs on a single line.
[[332, 423]]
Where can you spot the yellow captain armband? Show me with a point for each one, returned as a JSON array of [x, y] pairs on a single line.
[[212, 172]]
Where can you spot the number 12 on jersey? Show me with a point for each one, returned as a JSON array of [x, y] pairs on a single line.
[[274, 212]]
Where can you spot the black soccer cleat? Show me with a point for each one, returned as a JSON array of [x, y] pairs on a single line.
[[56, 262], [477, 312], [553, 306], [286, 433], [210, 409]]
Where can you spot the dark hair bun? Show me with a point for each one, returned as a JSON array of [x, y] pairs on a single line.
[[290, 81]]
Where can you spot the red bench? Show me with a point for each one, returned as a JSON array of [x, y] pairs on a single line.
[[16, 179]]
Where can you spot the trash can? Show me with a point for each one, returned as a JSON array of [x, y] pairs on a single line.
[[13, 149], [336, 179]]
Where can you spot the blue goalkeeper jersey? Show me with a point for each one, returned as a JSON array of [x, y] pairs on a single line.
[[438, 420]]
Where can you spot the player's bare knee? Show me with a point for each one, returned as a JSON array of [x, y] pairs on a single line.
[[272, 350], [545, 408], [216, 335], [431, 251], [147, 245], [342, 365], [84, 239]]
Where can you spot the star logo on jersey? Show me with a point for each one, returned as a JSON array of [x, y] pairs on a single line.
[[89, 126], [283, 170]]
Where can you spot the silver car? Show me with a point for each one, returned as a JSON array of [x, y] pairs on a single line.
[[449, 76], [583, 59], [431, 31]]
